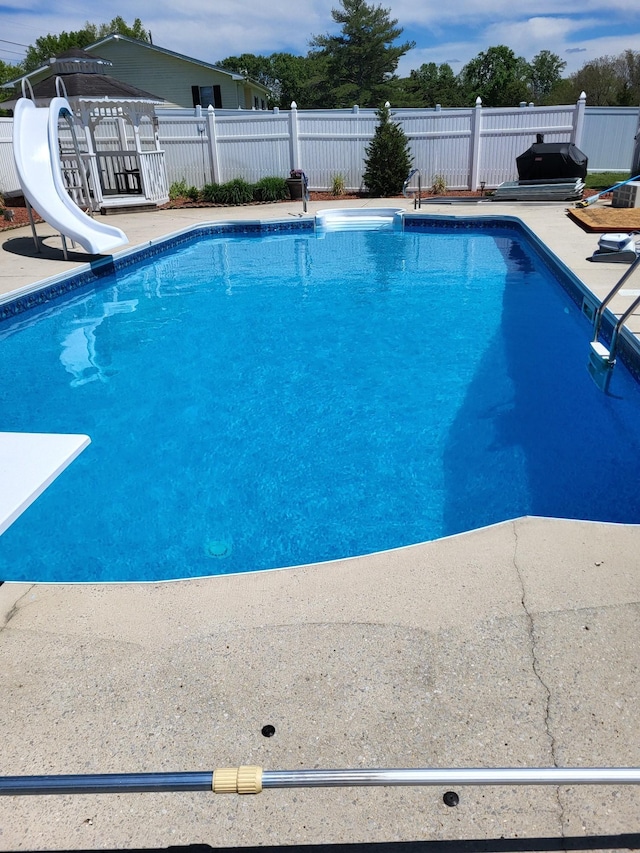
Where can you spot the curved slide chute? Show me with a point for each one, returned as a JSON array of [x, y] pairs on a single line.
[[35, 151]]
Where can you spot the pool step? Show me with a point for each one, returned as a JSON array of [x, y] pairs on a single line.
[[371, 219]]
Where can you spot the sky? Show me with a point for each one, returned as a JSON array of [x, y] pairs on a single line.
[[455, 32]]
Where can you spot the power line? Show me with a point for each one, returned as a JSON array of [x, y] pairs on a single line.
[[16, 43]]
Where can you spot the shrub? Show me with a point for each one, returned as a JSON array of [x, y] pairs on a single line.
[[270, 189], [193, 193], [438, 185], [337, 185], [178, 189], [388, 160], [6, 214], [210, 193], [237, 191]]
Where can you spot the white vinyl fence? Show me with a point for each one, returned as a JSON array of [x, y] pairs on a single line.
[[466, 147]]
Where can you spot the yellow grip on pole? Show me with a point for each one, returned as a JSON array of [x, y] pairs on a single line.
[[237, 780]]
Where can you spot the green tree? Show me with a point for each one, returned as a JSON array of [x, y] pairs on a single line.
[[545, 72], [294, 77], [119, 26], [388, 159], [360, 63], [563, 92], [285, 75], [628, 68], [8, 72], [433, 84], [600, 80], [497, 76], [607, 80], [258, 68], [45, 47]]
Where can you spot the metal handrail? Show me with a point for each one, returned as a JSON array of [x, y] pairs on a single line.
[[417, 201], [61, 89], [597, 317], [25, 80], [618, 327], [602, 360]]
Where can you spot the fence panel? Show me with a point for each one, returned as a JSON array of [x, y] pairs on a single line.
[[505, 134], [608, 137], [252, 145], [440, 142], [185, 143], [334, 143], [8, 176]]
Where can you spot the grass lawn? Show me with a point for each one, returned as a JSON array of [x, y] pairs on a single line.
[[603, 180]]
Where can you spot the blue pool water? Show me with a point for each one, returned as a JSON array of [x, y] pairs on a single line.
[[260, 402]]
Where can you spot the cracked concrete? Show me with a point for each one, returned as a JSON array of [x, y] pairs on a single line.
[[532, 636], [13, 607], [416, 657]]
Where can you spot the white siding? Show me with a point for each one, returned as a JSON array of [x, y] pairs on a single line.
[[167, 76]]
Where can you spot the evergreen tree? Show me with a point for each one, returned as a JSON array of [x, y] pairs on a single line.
[[388, 159], [360, 63]]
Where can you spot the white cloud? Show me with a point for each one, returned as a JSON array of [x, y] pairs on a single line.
[[472, 13], [520, 35]]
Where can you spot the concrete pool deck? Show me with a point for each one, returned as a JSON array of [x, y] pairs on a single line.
[[515, 645]]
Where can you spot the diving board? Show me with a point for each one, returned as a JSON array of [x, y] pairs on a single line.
[[29, 462]]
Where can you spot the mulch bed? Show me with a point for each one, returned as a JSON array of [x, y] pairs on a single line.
[[178, 203], [21, 218]]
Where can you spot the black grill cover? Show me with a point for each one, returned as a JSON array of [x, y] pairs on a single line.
[[551, 160]]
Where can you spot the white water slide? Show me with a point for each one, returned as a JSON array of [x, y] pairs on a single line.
[[37, 159]]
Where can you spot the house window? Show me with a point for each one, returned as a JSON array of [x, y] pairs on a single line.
[[207, 96]]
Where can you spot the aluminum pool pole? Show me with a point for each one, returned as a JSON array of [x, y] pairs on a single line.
[[252, 780]]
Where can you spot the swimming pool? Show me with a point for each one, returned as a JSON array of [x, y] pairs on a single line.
[[281, 397]]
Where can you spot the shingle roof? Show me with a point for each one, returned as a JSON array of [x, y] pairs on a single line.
[[79, 85]]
